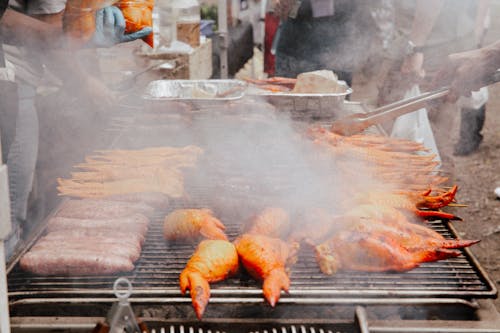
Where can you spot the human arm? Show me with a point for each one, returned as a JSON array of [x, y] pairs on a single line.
[[481, 24], [44, 36], [46, 32], [469, 71], [425, 17], [41, 33]]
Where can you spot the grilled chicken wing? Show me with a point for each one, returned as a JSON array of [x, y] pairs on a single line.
[[190, 224], [272, 221], [265, 258], [212, 261], [374, 252]]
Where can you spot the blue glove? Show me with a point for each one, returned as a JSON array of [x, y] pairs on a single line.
[[110, 29]]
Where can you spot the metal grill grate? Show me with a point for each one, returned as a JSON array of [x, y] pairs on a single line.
[[270, 329], [155, 278], [157, 270]]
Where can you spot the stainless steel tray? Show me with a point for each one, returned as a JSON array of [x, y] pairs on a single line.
[[195, 90], [322, 104]]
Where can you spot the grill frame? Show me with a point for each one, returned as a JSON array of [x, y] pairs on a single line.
[[249, 294]]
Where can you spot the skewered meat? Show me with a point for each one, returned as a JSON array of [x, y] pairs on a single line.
[[212, 261], [101, 209], [74, 262], [265, 258], [272, 221], [135, 223], [167, 181], [121, 172], [401, 164], [413, 202], [190, 224]]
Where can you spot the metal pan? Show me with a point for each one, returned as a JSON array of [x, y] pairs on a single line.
[[194, 90]]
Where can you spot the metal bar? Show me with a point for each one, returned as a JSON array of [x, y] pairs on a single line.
[[361, 319], [223, 37], [466, 328], [454, 279], [259, 300], [4, 300]]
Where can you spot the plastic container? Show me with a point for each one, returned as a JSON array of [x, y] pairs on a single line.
[[167, 30], [187, 17]]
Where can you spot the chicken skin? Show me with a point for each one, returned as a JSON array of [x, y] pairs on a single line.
[[272, 221], [212, 261], [191, 224], [373, 252], [265, 259]]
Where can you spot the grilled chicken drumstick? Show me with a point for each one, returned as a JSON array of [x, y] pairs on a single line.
[[212, 261], [265, 258]]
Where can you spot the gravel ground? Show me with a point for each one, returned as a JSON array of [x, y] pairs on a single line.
[[477, 175]]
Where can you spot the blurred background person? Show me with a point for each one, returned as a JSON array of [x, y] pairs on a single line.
[[323, 34], [470, 70], [428, 31], [33, 42]]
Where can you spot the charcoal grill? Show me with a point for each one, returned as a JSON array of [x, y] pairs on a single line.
[[445, 286], [451, 295]]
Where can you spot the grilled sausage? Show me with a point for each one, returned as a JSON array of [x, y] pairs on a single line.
[[134, 223], [122, 250], [101, 209], [74, 262]]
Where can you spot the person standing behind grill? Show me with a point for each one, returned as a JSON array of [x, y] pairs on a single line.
[[469, 71], [31, 32], [450, 26], [322, 34]]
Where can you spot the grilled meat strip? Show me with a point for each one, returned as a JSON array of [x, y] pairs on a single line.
[[135, 223], [74, 262], [101, 209]]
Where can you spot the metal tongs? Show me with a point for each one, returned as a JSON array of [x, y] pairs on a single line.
[[358, 122]]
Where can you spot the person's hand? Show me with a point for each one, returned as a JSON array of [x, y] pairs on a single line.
[[110, 29], [413, 66], [465, 72], [282, 8]]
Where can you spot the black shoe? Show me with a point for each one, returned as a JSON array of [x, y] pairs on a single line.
[[464, 148], [471, 124]]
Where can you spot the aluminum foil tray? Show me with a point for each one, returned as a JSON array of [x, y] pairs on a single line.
[[195, 90], [322, 104]]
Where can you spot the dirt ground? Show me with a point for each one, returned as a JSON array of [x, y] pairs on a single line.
[[477, 175]]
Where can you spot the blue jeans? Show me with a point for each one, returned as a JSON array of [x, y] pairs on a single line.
[[21, 162]]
